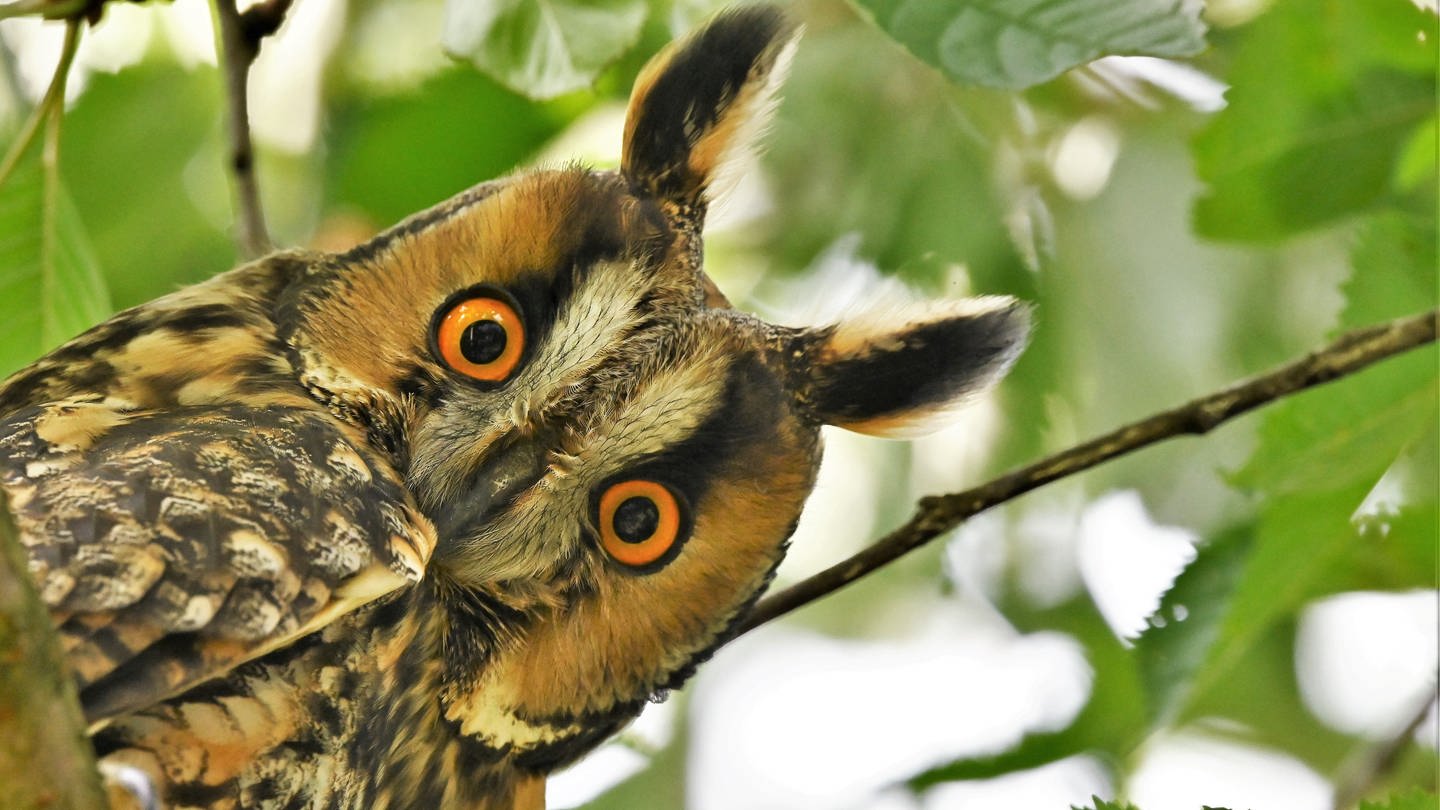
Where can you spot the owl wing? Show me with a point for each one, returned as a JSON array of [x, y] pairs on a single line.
[[173, 545]]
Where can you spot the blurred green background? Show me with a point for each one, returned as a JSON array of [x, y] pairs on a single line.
[[1179, 223]]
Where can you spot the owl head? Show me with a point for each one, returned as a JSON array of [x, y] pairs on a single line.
[[612, 456]]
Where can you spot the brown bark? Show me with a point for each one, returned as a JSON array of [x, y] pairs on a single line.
[[46, 762]]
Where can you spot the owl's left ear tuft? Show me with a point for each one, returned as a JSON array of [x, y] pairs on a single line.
[[900, 372], [703, 100]]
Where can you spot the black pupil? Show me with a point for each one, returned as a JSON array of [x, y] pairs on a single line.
[[636, 520], [482, 342]]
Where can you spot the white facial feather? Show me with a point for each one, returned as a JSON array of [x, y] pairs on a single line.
[[545, 524], [756, 112], [453, 440]]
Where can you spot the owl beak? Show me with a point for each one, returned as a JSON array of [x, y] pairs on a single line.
[[511, 466]]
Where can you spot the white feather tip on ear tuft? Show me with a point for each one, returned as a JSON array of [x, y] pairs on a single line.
[[904, 370], [754, 113]]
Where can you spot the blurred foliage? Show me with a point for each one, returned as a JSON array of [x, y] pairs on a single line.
[[1015, 45], [372, 130], [1337, 90], [545, 48], [50, 273], [135, 177], [1169, 248], [1409, 800], [1171, 652], [1097, 803]]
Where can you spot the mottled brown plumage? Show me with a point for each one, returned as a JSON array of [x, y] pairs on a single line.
[[413, 525]]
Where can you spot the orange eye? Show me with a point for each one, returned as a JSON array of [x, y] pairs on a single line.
[[639, 521], [481, 338]]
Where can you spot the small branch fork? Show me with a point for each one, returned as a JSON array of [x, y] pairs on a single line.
[[937, 515], [1361, 773], [238, 37]]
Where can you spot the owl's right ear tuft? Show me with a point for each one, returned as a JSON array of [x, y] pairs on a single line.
[[703, 99], [900, 372]]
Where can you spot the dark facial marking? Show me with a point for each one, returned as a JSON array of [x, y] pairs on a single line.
[[419, 222], [546, 757], [746, 415], [196, 794]]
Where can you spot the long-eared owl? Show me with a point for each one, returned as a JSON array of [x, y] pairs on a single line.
[[412, 525]]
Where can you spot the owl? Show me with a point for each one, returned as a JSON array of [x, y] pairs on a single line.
[[413, 525]]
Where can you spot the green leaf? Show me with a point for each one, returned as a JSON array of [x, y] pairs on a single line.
[[1346, 434], [1394, 261], [1410, 524], [1097, 803], [1321, 453], [396, 154], [1416, 166], [1172, 650], [659, 784], [1323, 98], [142, 156], [1018, 44], [1319, 456], [1034, 751], [912, 159], [542, 48], [1415, 799], [50, 283], [1300, 541]]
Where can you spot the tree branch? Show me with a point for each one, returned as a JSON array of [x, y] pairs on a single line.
[[45, 756], [1362, 773], [45, 9], [238, 38], [937, 515]]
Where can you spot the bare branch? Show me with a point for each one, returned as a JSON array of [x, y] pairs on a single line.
[[1364, 772], [45, 756], [239, 37], [937, 515], [45, 9]]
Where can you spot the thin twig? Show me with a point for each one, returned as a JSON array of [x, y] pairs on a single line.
[[53, 102], [238, 49], [45, 9], [50, 187], [937, 515], [1363, 773], [263, 19]]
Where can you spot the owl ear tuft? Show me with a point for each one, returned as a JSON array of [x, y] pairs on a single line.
[[704, 99], [900, 372]]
